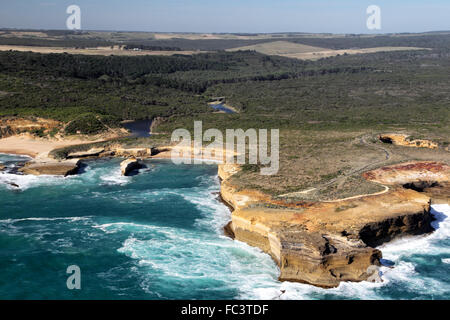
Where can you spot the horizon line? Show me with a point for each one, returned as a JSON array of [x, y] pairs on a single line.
[[231, 33]]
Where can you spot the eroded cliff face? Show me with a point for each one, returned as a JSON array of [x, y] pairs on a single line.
[[12, 126], [325, 243], [132, 152], [402, 140], [429, 177]]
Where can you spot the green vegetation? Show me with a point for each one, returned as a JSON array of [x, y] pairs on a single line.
[[38, 132], [89, 123], [324, 109]]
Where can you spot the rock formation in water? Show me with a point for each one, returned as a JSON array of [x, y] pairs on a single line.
[[329, 242], [60, 168], [2, 167], [129, 165]]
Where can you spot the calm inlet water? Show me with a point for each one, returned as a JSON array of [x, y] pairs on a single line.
[[138, 128], [158, 235], [221, 107]]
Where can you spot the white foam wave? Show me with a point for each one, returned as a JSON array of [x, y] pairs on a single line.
[[180, 254], [185, 255], [215, 214], [204, 253], [70, 219], [131, 227], [403, 275], [115, 177], [23, 182], [20, 182]]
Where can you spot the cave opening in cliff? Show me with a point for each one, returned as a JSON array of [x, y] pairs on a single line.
[[386, 140], [420, 186]]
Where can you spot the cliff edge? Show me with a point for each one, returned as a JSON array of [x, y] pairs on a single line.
[[324, 243]]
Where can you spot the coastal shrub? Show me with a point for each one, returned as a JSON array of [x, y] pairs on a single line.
[[53, 132], [38, 132], [250, 167]]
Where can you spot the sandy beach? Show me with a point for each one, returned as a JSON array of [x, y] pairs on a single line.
[[40, 148]]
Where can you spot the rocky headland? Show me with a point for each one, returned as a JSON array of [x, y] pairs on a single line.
[[319, 243], [10, 126]]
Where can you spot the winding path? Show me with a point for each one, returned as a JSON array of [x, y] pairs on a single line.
[[341, 178]]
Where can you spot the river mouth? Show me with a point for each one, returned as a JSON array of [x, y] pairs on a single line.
[[138, 128]]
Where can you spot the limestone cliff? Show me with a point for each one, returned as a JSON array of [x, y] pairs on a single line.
[[10, 125], [60, 168], [93, 152], [325, 243]]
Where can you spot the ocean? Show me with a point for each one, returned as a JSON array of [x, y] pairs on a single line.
[[159, 235]]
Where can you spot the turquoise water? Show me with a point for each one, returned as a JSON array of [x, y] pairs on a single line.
[[158, 235]]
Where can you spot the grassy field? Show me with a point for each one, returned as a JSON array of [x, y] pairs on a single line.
[[305, 52], [280, 48]]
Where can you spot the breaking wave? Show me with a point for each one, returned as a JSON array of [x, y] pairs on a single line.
[[159, 235]]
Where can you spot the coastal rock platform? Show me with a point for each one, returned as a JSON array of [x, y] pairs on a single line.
[[60, 168]]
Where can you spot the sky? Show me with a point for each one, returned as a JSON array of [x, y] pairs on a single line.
[[236, 16]]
